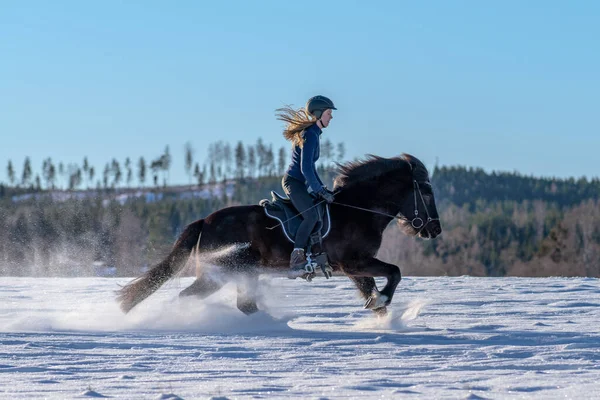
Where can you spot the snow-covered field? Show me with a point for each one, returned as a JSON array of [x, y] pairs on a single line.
[[455, 338]]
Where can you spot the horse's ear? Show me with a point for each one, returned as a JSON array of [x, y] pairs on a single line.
[[409, 161]]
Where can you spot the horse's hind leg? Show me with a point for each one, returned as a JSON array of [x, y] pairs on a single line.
[[246, 293], [203, 287], [211, 277]]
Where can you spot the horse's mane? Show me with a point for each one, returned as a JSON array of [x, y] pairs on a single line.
[[374, 166]]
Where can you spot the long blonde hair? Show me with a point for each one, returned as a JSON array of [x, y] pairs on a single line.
[[297, 121]]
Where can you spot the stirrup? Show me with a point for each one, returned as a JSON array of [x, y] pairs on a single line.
[[306, 272], [300, 273]]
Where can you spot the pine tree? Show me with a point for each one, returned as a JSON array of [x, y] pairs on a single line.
[[10, 171], [240, 160], [282, 160], [251, 161], [327, 151], [228, 159], [142, 171], [49, 173], [61, 174], [106, 175], [116, 171], [155, 167], [27, 173], [74, 176], [212, 178], [189, 160], [341, 150], [86, 169], [129, 171], [269, 161], [166, 164], [198, 175], [261, 154], [91, 174]]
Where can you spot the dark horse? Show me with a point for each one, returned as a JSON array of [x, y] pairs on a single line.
[[370, 194]]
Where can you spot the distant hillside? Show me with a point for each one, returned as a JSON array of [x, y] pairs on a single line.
[[461, 185]]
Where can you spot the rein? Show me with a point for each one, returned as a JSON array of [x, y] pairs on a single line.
[[368, 210], [417, 222]]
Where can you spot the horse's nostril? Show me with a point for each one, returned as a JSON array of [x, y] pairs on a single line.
[[437, 230]]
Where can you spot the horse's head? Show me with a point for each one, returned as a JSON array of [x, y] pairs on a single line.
[[398, 185], [417, 206]]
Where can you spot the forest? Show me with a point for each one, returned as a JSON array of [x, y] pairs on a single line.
[[70, 220]]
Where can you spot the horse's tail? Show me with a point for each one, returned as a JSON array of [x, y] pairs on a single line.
[[140, 288]]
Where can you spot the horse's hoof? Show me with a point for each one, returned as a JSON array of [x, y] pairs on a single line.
[[327, 271], [376, 301], [381, 312]]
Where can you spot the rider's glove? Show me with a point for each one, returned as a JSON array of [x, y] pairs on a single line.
[[326, 195]]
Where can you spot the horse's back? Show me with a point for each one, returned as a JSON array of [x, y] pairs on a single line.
[[230, 224], [247, 224]]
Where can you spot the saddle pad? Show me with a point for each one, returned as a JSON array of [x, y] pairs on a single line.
[[281, 210]]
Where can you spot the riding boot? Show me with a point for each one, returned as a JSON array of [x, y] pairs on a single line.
[[297, 264]]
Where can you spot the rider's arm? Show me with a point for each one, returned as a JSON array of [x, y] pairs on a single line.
[[307, 162], [319, 179]]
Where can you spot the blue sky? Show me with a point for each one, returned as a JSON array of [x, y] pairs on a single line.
[[511, 85]]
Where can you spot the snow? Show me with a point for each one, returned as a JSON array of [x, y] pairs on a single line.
[[123, 195], [445, 338]]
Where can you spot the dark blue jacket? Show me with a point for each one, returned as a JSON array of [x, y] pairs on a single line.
[[304, 159]]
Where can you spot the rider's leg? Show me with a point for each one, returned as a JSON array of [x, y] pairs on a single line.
[[304, 203]]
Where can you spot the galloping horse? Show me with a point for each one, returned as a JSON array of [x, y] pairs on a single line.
[[370, 194]]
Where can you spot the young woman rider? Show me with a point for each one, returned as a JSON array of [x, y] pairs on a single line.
[[301, 182]]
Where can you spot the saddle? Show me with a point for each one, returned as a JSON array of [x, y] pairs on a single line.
[[281, 209]]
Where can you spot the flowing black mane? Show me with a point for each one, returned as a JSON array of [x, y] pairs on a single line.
[[375, 166]]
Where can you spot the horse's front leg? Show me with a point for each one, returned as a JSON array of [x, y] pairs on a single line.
[[367, 288], [362, 273], [365, 285]]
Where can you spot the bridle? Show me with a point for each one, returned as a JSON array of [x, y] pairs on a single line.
[[417, 222]]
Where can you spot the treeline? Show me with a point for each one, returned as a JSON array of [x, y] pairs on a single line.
[[499, 224], [224, 162], [470, 186], [509, 238], [495, 224]]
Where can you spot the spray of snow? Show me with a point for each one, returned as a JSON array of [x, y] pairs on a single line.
[[396, 318], [164, 310]]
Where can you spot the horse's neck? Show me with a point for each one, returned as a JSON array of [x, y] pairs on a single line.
[[372, 198]]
